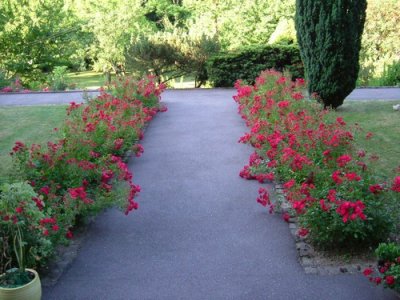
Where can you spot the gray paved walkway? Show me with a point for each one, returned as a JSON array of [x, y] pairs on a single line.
[[67, 97], [198, 233]]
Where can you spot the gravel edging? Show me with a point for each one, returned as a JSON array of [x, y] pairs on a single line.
[[316, 262]]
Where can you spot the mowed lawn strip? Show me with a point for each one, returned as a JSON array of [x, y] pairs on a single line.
[[379, 118], [87, 80], [28, 124]]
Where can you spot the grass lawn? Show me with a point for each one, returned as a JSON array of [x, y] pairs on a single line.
[[28, 124], [379, 118], [93, 80], [86, 80]]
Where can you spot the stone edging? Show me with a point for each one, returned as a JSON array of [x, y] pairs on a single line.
[[313, 261]]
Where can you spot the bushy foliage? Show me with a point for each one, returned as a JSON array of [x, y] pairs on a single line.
[[388, 270], [57, 78], [380, 46], [329, 35], [85, 171], [172, 54], [21, 222], [246, 63], [330, 183]]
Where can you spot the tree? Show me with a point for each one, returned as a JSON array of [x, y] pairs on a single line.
[[380, 46], [35, 36], [329, 35], [171, 55]]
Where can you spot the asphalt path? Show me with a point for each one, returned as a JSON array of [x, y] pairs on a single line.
[[198, 233], [78, 96]]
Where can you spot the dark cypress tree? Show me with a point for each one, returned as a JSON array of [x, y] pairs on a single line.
[[329, 35]]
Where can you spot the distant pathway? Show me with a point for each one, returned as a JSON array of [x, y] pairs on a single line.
[[67, 97], [198, 233]]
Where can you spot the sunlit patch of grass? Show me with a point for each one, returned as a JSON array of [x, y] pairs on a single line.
[[379, 118], [28, 124], [87, 80]]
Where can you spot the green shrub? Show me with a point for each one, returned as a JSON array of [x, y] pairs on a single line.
[[57, 79], [246, 63], [3, 80], [391, 74]]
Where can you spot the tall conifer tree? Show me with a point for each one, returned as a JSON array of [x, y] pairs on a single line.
[[329, 35]]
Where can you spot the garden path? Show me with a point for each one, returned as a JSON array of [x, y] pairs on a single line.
[[198, 233]]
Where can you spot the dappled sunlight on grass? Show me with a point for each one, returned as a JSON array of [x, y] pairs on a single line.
[[379, 118]]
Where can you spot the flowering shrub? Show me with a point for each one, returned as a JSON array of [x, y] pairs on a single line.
[[339, 199], [388, 271], [21, 227], [85, 172]]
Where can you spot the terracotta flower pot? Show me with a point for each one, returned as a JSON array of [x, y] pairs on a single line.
[[29, 291]]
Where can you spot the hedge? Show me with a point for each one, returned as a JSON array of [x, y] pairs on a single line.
[[246, 63]]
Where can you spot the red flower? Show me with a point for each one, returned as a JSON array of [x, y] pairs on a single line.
[[353, 176], [286, 217], [77, 193], [375, 188], [69, 234], [55, 227], [19, 210], [340, 121], [106, 176], [336, 176], [331, 195], [47, 221], [263, 197], [390, 280], [283, 104], [343, 160], [378, 280], [396, 184], [350, 210], [302, 231], [45, 190], [368, 271], [288, 185], [118, 144]]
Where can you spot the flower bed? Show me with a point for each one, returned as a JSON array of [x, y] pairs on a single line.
[[85, 171], [330, 184]]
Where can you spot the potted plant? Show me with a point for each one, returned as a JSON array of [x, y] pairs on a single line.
[[22, 242]]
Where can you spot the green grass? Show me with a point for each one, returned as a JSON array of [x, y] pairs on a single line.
[[94, 80], [28, 124], [379, 118], [86, 80]]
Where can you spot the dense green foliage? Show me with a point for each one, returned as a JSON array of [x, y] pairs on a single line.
[[35, 36], [172, 54], [380, 46], [114, 36], [246, 63], [329, 36]]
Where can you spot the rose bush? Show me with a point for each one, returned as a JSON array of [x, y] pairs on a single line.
[[85, 171], [388, 270], [330, 183]]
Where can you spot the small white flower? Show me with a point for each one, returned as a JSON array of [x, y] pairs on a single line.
[[396, 107]]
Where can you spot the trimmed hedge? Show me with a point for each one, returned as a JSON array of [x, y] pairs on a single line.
[[246, 63]]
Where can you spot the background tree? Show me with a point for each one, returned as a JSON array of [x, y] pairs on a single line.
[[380, 42], [329, 35], [35, 36]]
